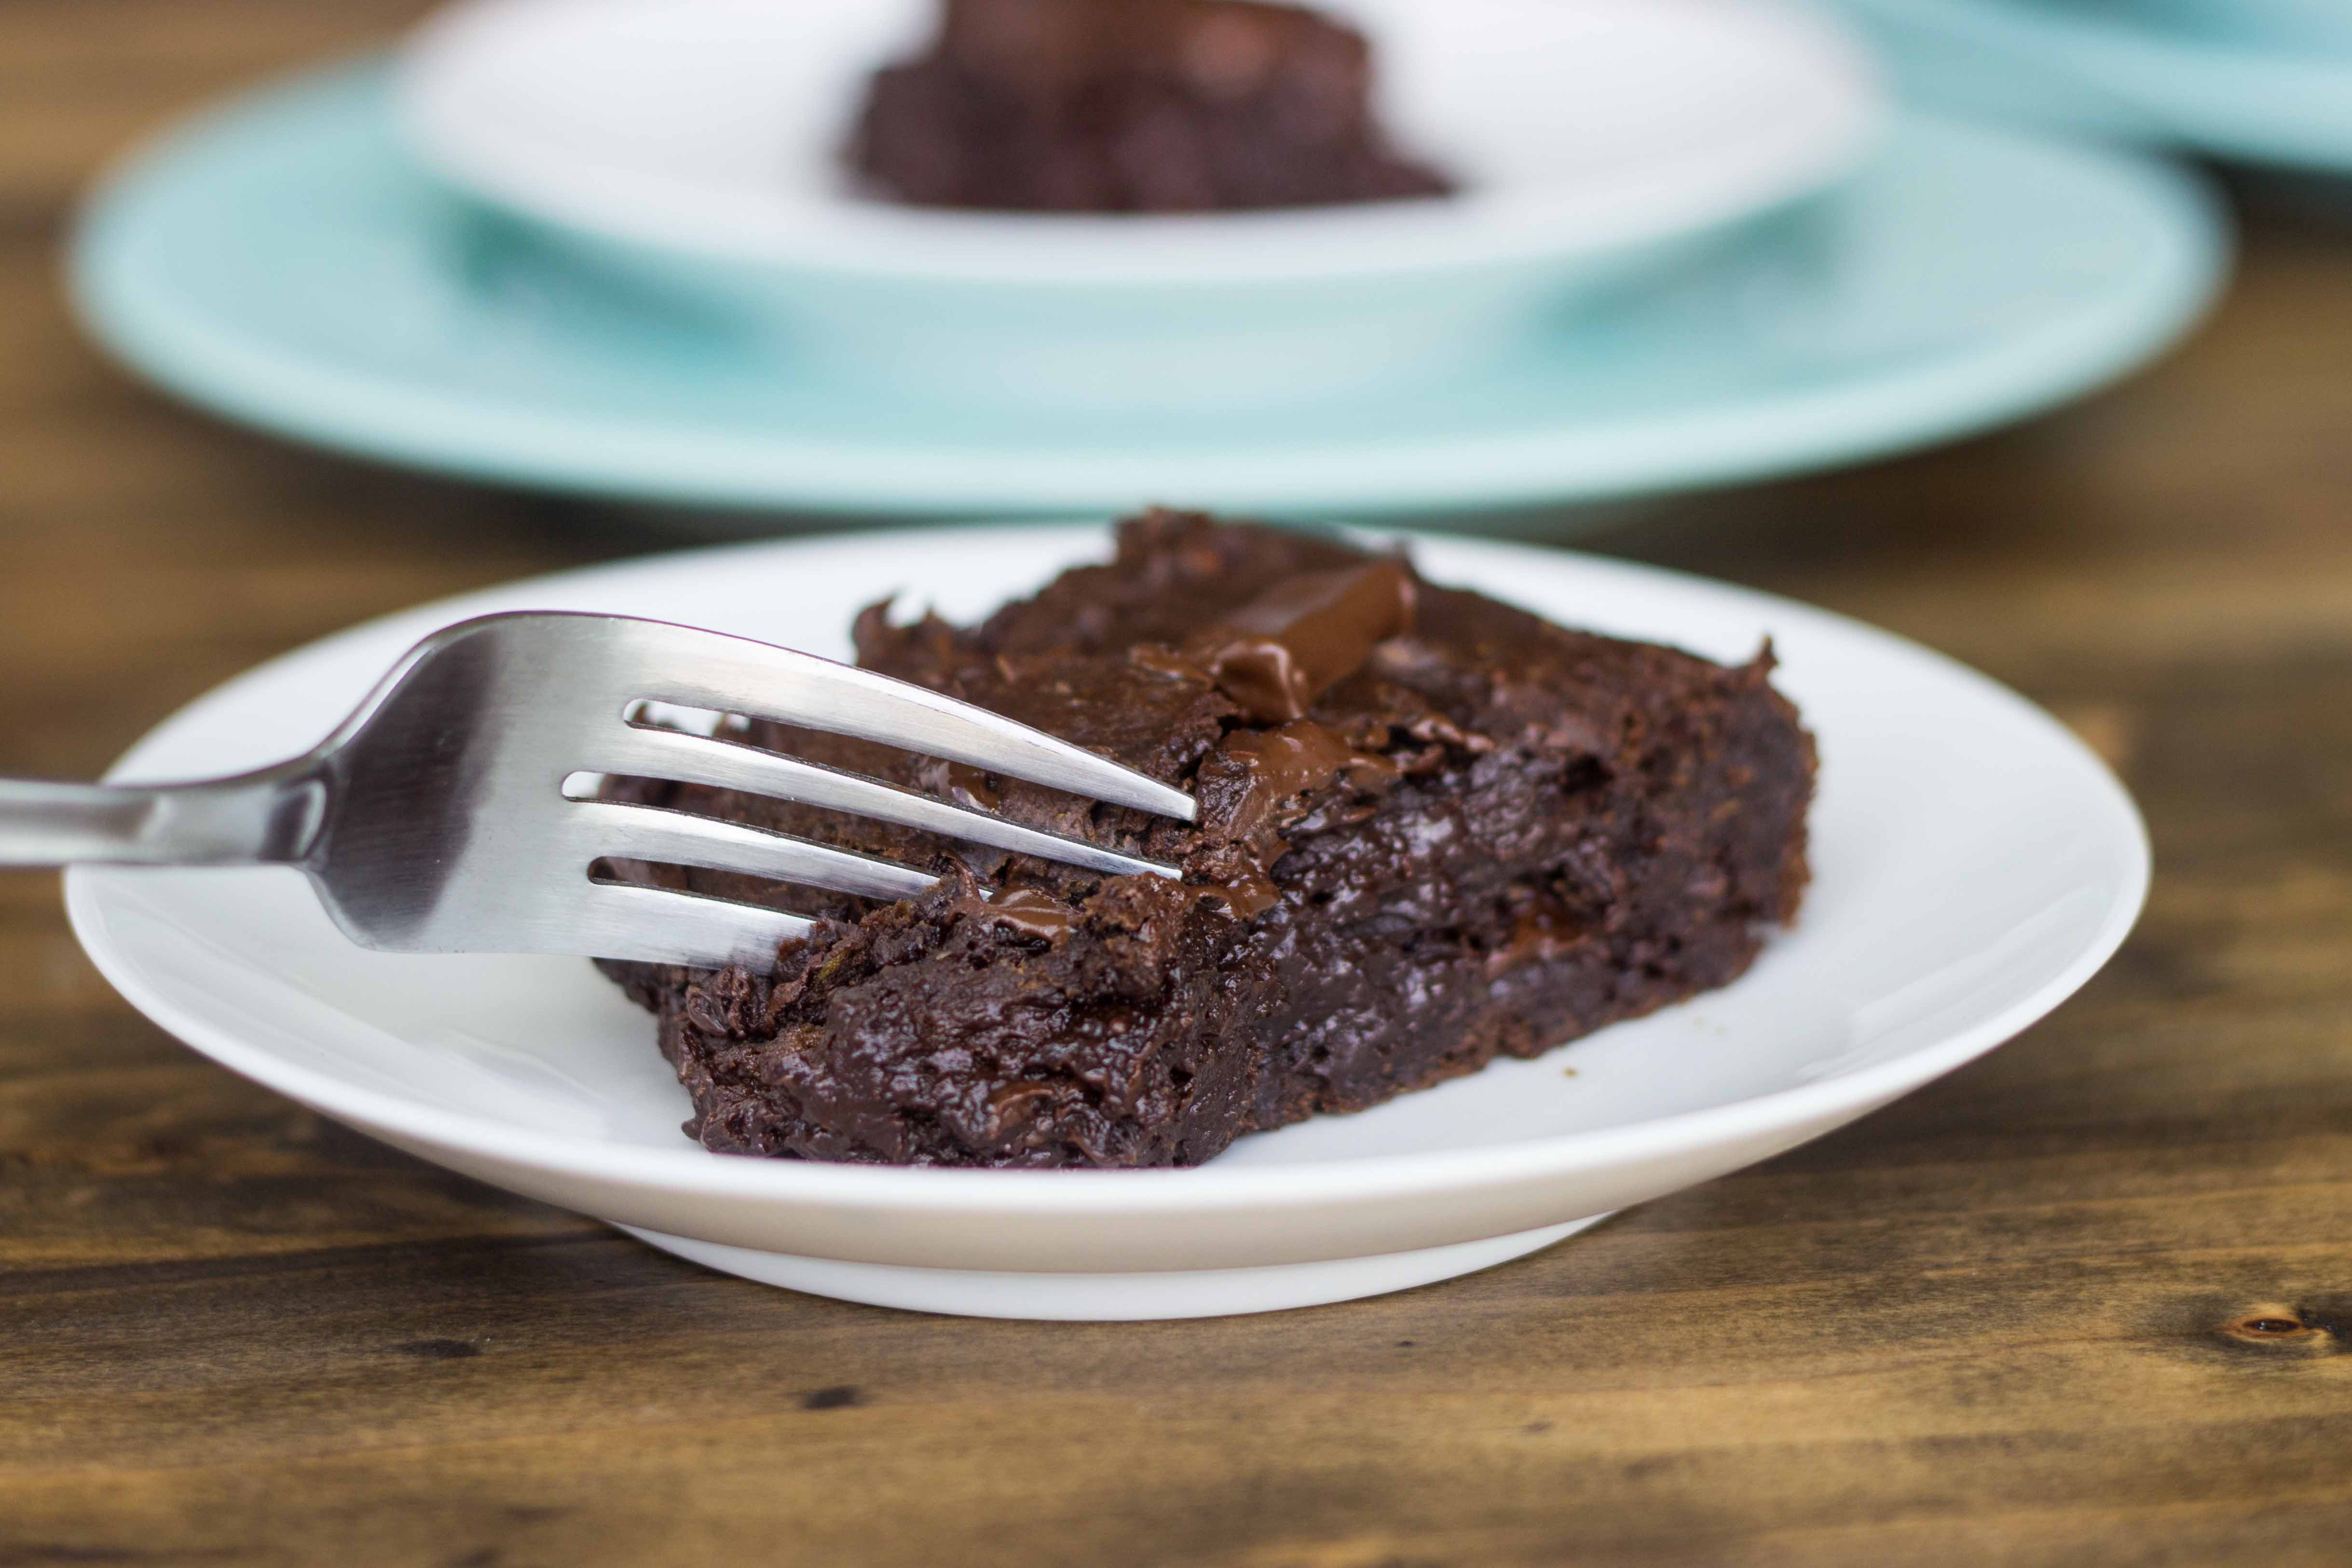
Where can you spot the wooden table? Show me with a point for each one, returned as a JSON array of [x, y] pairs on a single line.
[[2089, 1302]]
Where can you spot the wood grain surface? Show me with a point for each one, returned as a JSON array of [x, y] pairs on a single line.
[[2089, 1302]]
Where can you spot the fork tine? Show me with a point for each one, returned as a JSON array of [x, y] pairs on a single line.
[[653, 925], [648, 753], [680, 838], [735, 674]]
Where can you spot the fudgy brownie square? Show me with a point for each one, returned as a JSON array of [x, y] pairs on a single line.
[[1132, 106], [1433, 829]]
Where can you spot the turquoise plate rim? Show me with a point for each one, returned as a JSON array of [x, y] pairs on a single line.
[[131, 307], [2250, 101]]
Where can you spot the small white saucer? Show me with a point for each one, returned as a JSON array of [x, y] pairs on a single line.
[[695, 145], [1974, 864], [283, 262]]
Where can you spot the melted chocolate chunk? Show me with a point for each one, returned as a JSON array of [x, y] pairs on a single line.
[[1483, 835], [1285, 766], [1274, 655], [1029, 913]]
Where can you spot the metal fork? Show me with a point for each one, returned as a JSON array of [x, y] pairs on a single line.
[[435, 818]]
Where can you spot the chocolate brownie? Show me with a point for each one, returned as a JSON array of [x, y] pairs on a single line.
[[1433, 829], [1132, 106]]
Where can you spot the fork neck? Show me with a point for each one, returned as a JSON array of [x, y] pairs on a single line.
[[257, 819]]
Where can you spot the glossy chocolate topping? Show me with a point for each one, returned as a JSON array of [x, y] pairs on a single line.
[[1276, 654], [1030, 912], [1285, 767]]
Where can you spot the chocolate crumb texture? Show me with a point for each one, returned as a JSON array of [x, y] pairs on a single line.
[[1132, 106]]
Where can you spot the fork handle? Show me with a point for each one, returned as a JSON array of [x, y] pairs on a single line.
[[259, 819]]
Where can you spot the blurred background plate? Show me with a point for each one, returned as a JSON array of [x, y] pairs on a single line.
[[2146, 69], [697, 145], [284, 263], [2300, 24], [714, 129]]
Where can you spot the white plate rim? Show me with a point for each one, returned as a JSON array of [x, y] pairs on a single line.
[[1206, 1190]]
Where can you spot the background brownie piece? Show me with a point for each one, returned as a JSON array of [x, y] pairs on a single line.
[[1486, 835], [1132, 106]]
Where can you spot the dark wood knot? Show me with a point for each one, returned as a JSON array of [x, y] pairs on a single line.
[[439, 1349], [2280, 1327], [840, 1396]]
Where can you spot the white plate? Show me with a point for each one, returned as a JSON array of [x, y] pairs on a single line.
[[1974, 865], [697, 142]]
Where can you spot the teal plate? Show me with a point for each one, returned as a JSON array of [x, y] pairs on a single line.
[[2204, 82], [282, 263]]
